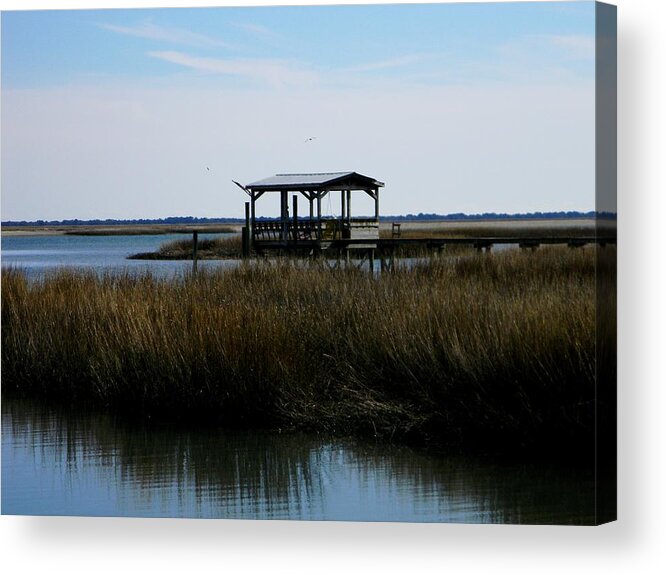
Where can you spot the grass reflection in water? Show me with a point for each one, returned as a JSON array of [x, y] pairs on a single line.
[[58, 462]]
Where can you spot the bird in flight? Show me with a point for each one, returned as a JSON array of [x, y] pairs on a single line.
[[310, 139], [207, 169]]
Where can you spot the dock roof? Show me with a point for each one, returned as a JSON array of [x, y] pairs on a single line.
[[316, 181]]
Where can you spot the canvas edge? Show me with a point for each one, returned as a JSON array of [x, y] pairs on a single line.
[[606, 263]]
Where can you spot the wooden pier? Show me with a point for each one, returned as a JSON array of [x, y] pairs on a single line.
[[387, 250], [388, 244], [345, 238]]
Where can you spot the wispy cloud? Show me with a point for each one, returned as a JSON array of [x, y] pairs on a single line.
[[551, 48], [577, 47], [398, 62], [170, 35], [273, 72], [256, 29]]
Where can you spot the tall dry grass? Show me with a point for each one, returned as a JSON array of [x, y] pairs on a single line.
[[492, 351]]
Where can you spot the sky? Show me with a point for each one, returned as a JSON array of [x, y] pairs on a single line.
[[149, 113]]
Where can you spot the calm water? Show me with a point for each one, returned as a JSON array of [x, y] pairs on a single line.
[[38, 255], [57, 462]]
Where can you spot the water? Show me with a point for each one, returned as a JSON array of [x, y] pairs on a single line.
[[38, 255], [61, 462]]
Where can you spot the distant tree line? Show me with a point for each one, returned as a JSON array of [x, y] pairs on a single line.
[[187, 220], [501, 216], [175, 220]]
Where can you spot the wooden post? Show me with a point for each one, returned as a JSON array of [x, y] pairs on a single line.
[[377, 204], [246, 232], [372, 262], [195, 246], [249, 222], [295, 210], [284, 215], [245, 242], [349, 206], [319, 216]]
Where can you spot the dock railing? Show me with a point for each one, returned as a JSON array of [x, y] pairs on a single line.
[[306, 229]]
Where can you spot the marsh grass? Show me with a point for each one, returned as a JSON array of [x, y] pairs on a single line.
[[501, 229], [229, 247], [489, 351], [141, 230]]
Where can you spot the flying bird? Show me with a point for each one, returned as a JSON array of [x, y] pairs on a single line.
[[310, 139], [207, 169]]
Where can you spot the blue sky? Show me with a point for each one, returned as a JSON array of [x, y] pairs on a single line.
[[458, 107]]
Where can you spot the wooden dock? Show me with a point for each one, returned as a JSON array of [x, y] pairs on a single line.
[[388, 250], [391, 244], [344, 237]]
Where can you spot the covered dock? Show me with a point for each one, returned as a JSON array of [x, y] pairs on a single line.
[[312, 231]]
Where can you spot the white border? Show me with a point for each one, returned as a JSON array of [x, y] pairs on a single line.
[[633, 544]]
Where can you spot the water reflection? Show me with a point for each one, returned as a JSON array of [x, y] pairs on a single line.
[[55, 462]]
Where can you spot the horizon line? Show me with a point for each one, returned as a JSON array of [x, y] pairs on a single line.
[[421, 215]]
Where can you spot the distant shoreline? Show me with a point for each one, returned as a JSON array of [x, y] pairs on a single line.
[[158, 227], [115, 230]]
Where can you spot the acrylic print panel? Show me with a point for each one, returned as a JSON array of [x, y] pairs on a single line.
[[316, 263]]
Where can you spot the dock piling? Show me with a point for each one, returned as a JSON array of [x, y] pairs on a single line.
[[195, 249], [246, 233]]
